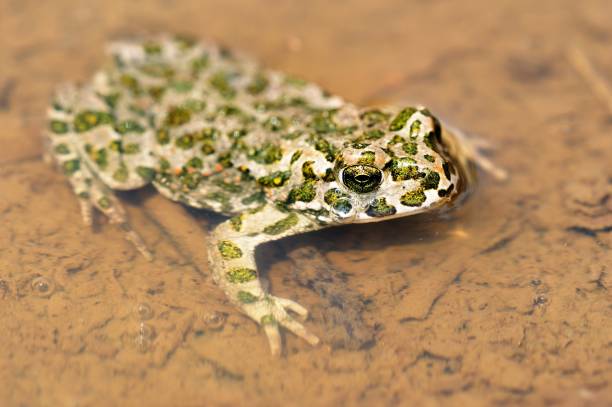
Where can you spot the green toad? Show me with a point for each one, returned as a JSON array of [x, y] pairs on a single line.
[[279, 156]]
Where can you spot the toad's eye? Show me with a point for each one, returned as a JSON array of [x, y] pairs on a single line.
[[361, 178]]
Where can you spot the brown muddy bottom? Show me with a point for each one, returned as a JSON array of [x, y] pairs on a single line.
[[505, 300]]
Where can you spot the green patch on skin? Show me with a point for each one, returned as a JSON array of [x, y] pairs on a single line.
[[401, 169], [415, 127], [431, 180], [163, 136], [359, 146], [347, 130], [395, 140], [116, 145], [329, 175], [258, 84], [164, 165], [268, 320], [209, 134], [241, 275], [199, 64], [131, 83], [220, 197], [296, 156], [146, 173], [275, 123], [367, 157], [137, 110], [185, 42], [58, 127], [207, 148], [156, 92], [322, 122], [228, 187], [61, 149], [100, 156], [380, 208], [303, 193], [275, 179], [111, 99], [402, 117], [152, 48], [237, 134], [191, 180], [195, 162], [185, 142], [257, 197], [104, 202], [410, 148], [338, 200], [157, 70], [225, 160], [373, 117], [308, 170], [332, 195], [121, 174], [220, 81], [282, 225], [89, 119], [413, 198], [177, 116], [293, 135], [343, 206], [181, 86], [269, 153], [194, 105], [373, 134], [236, 222], [229, 110], [131, 148], [325, 147], [429, 158], [294, 81], [246, 297], [229, 250], [71, 166]]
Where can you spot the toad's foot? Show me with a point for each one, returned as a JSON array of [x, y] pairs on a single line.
[[272, 312], [232, 261], [471, 148]]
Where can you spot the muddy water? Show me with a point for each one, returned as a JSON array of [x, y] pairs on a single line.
[[505, 300]]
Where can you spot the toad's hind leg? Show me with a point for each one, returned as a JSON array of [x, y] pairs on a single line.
[[232, 261], [91, 191]]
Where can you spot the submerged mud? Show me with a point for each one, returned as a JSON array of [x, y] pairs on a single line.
[[503, 300]]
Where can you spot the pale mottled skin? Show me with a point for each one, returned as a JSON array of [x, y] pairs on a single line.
[[215, 131]]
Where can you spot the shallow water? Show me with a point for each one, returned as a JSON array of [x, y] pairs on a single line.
[[504, 300]]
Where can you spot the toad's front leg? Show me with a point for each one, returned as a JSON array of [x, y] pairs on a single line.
[[232, 262]]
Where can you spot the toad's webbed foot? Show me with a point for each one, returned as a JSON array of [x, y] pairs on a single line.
[[232, 263]]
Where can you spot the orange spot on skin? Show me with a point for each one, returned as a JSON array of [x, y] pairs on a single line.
[[177, 170], [218, 168]]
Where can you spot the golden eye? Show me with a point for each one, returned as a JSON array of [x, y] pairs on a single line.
[[361, 178]]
